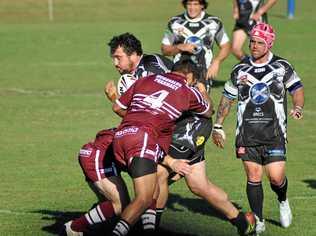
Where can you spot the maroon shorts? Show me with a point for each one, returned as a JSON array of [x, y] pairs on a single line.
[[135, 141], [97, 159]]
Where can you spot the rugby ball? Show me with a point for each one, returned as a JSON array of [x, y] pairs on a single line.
[[124, 82]]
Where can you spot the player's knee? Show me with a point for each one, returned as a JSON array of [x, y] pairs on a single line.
[[277, 180]]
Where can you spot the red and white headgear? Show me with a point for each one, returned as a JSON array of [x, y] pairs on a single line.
[[265, 32]]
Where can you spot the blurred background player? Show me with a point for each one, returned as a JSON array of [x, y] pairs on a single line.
[[260, 83], [246, 14], [149, 109], [128, 58], [192, 35]]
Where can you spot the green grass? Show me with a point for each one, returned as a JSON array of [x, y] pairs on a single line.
[[51, 101]]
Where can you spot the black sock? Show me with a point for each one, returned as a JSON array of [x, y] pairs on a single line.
[[280, 190], [255, 197], [240, 222], [121, 228], [159, 212]]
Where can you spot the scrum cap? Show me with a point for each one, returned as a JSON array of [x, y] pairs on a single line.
[[265, 32]]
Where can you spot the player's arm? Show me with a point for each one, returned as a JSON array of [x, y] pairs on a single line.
[[262, 10], [224, 51], [218, 134], [110, 91], [235, 10], [171, 50], [118, 109], [298, 103], [201, 87], [179, 166]]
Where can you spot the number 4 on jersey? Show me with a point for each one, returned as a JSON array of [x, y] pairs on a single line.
[[156, 99]]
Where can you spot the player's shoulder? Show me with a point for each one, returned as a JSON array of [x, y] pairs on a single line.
[[155, 62], [178, 18], [243, 64], [277, 60], [211, 19]]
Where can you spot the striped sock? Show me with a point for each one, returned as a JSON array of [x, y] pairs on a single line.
[[121, 228], [149, 217], [96, 215]]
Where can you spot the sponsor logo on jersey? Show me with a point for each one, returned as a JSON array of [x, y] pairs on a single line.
[[194, 24], [196, 41], [258, 112], [259, 93], [259, 70], [132, 130], [85, 152], [200, 140]]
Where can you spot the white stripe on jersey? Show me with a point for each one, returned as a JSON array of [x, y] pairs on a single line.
[[172, 108], [120, 104], [144, 145], [96, 161]]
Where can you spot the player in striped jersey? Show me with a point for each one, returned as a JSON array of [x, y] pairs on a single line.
[[260, 84]]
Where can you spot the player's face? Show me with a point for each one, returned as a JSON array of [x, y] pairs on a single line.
[[194, 9], [258, 47], [123, 62]]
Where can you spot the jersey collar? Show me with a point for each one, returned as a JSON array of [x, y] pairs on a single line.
[[195, 19], [261, 64]]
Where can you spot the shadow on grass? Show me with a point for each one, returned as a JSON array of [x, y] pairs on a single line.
[[195, 205], [311, 182], [218, 83], [60, 218]]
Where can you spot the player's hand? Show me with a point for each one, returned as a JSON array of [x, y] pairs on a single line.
[[213, 70], [256, 17], [297, 113], [201, 87], [218, 136], [180, 166], [187, 47], [110, 91]]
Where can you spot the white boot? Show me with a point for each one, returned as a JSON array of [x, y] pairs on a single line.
[[260, 226], [285, 214]]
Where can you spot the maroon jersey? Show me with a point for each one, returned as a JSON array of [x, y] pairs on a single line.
[[156, 101]]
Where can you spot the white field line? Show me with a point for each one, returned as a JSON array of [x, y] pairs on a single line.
[[48, 92], [9, 212]]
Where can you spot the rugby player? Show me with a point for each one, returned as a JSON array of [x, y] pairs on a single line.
[[149, 109], [260, 84], [192, 35], [246, 14]]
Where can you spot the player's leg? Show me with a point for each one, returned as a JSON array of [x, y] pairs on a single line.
[[163, 174], [278, 181], [201, 186], [238, 40], [144, 174], [254, 172], [114, 190]]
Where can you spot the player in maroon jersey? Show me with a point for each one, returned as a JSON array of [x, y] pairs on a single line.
[[149, 109]]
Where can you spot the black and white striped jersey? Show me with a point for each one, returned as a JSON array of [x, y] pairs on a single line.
[[262, 105], [152, 64], [202, 31]]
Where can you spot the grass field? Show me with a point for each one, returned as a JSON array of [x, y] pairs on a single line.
[[51, 102]]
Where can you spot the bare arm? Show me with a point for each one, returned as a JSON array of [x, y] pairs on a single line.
[[203, 91], [218, 134], [223, 53], [298, 104], [171, 50], [118, 110], [235, 10], [180, 166]]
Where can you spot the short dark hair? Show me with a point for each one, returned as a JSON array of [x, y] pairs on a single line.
[[186, 66], [128, 42], [202, 2]]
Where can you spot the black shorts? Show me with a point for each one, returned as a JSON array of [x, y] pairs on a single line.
[[141, 166], [243, 25], [178, 151], [263, 154]]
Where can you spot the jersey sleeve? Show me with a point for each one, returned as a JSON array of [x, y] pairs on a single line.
[[197, 103], [230, 89], [169, 36], [221, 36], [291, 80]]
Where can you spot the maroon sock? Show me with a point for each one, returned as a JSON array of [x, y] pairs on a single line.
[[96, 215]]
